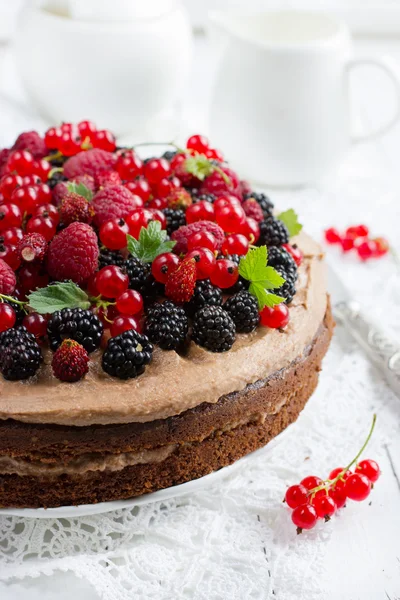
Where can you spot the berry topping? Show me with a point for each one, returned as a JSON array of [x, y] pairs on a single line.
[[213, 329], [20, 354], [138, 273], [111, 282], [8, 280], [73, 253], [31, 141], [76, 208], [114, 202], [113, 234], [90, 162], [127, 355], [243, 309], [7, 316], [175, 218], [166, 325], [70, 361], [182, 235], [369, 468], [204, 294], [276, 317], [181, 282], [80, 325], [273, 232]]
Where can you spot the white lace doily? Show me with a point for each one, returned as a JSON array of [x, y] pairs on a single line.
[[235, 540]]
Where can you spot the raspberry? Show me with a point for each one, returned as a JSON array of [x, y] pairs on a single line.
[[181, 282], [31, 141], [32, 247], [216, 184], [73, 253], [108, 179], [183, 233], [90, 162], [60, 189], [76, 208], [253, 209], [263, 200], [179, 198], [114, 202], [70, 361], [8, 280]]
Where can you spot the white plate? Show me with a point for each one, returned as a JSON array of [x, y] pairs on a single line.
[[171, 492]]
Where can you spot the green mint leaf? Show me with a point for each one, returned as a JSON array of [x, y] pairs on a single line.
[[291, 220], [152, 242], [263, 278], [199, 166], [81, 189], [58, 296]]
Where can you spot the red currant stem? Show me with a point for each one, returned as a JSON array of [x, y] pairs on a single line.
[[224, 176], [55, 170], [11, 299], [331, 482], [56, 155], [100, 302], [86, 143]]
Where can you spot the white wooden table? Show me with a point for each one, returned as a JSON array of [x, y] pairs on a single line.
[[363, 557]]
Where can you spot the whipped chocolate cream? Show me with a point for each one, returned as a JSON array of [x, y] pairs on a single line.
[[172, 383]]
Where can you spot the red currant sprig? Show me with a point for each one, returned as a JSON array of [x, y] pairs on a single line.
[[315, 499], [356, 237]]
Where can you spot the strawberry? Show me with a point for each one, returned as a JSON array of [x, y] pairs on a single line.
[[76, 208], [179, 198], [181, 282], [70, 361]]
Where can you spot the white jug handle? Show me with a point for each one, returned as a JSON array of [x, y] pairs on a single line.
[[388, 66]]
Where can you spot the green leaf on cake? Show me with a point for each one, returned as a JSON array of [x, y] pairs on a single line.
[[291, 220], [57, 297], [152, 242], [81, 189], [254, 267]]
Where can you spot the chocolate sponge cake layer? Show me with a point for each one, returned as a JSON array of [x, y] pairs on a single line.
[[54, 465]]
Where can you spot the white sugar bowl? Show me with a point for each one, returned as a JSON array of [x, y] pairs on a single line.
[[117, 72]]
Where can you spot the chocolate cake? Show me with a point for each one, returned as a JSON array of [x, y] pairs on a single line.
[[85, 428]]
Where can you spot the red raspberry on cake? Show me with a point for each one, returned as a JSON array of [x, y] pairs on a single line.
[[73, 254], [90, 162], [8, 280], [70, 361], [108, 178], [219, 184], [253, 210], [76, 208], [181, 235], [115, 202], [182, 281], [31, 141]]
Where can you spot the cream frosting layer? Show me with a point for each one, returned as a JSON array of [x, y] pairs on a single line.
[[173, 383]]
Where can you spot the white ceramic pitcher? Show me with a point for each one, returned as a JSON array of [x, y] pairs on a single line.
[[280, 104]]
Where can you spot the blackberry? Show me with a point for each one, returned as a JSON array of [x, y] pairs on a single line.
[[56, 160], [20, 313], [273, 233], [204, 294], [243, 309], [175, 219], [151, 290], [57, 177], [77, 324], [20, 354], [110, 257], [288, 289], [284, 263], [265, 203], [214, 329], [127, 355], [137, 271], [196, 197], [166, 325], [169, 155], [280, 257]]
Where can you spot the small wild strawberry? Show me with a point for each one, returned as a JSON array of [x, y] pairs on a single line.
[[70, 361], [76, 208], [181, 282]]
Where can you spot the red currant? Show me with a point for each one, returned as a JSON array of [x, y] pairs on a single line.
[[103, 139], [36, 324], [199, 143], [369, 468], [129, 165], [68, 144], [12, 236], [163, 265], [10, 216], [31, 180], [332, 236], [304, 517], [367, 249], [42, 225], [347, 244], [276, 317], [324, 505], [166, 185], [111, 281], [86, 129], [294, 252], [44, 194], [129, 303], [251, 230], [227, 200], [338, 496], [311, 481], [26, 198], [236, 243], [113, 234], [214, 154], [202, 239], [32, 277], [124, 323], [230, 218], [296, 495], [205, 262], [42, 168], [9, 254], [7, 316], [140, 187], [333, 474], [51, 137], [382, 246], [156, 169], [201, 211], [357, 231], [48, 211], [8, 183], [141, 217], [21, 162], [358, 487], [159, 203], [225, 273], [158, 215]]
